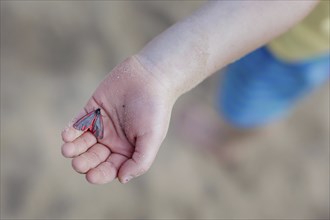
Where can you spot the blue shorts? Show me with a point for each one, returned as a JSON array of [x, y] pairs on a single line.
[[260, 88]]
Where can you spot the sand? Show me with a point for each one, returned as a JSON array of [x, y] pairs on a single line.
[[54, 54]]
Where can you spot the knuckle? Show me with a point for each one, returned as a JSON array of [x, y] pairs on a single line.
[[87, 139], [143, 163], [94, 156], [138, 157], [143, 169], [106, 170], [101, 149]]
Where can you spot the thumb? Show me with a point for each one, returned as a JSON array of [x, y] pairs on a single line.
[[145, 152]]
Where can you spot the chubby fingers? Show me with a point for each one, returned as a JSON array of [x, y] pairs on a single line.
[[79, 145], [90, 159], [106, 171], [99, 164]]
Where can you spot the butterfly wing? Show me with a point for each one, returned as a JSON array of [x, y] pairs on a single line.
[[85, 122], [98, 127]]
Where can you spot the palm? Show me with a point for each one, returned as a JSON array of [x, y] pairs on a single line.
[[135, 117]]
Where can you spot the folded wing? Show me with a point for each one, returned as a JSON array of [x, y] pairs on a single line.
[[85, 122], [98, 127]]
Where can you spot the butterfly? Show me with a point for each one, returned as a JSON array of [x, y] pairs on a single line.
[[91, 121]]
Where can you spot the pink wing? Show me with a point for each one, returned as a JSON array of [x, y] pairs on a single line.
[[98, 126], [85, 122]]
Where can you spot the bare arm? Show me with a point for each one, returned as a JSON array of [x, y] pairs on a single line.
[[216, 35], [138, 94]]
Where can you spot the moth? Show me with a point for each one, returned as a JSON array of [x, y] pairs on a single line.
[[92, 121]]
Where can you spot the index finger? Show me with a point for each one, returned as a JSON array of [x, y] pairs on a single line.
[[69, 133]]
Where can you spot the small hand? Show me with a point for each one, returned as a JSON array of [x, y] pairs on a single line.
[[135, 110]]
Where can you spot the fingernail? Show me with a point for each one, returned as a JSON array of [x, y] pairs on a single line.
[[127, 179]]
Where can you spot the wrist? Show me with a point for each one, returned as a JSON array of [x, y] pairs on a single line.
[[158, 73], [179, 57]]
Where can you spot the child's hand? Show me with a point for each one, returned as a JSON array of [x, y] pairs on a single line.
[[135, 109]]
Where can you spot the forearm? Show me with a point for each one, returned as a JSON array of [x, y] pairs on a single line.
[[216, 35]]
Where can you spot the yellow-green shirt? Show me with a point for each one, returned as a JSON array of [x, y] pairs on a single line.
[[308, 39]]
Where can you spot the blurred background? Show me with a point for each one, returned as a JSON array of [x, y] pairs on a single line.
[[54, 54]]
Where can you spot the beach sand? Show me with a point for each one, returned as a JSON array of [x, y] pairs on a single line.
[[54, 54]]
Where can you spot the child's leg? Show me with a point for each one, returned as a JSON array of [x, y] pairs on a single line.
[[259, 88], [254, 91]]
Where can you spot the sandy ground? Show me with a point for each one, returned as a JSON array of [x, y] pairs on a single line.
[[53, 55]]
